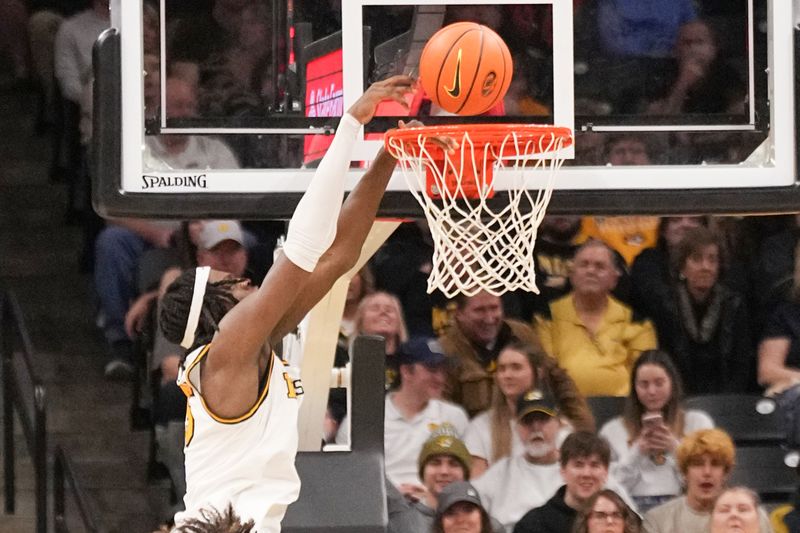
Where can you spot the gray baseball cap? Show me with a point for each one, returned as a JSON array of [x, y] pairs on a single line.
[[458, 491]]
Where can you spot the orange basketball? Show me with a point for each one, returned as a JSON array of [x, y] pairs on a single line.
[[465, 68]]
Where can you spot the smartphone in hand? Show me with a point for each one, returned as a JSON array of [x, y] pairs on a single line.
[[652, 420]]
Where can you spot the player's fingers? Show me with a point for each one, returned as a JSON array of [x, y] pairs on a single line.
[[399, 97], [386, 87], [446, 143], [400, 80], [410, 124], [402, 101]]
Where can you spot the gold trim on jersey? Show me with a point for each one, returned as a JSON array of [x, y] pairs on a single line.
[[188, 431], [262, 396]]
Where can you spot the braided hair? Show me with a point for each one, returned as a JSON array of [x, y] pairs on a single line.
[[213, 521], [177, 301]]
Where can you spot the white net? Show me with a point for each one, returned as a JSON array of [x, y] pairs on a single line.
[[482, 244]]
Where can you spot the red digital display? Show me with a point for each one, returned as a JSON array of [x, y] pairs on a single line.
[[323, 99]]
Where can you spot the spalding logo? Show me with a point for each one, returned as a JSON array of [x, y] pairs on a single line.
[[489, 83]]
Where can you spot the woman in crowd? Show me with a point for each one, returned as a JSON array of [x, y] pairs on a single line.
[[779, 350], [606, 512], [490, 435], [380, 313], [362, 284], [643, 440], [736, 511], [707, 330], [460, 511], [653, 271]]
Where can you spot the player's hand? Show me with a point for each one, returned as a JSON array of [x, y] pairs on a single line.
[[446, 143], [394, 88]]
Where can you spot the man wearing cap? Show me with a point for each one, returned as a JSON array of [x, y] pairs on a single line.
[[222, 246], [584, 468], [443, 459], [514, 485], [414, 409]]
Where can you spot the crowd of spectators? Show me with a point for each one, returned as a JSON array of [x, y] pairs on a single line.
[[487, 420]]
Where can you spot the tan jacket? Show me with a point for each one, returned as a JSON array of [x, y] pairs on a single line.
[[470, 383]]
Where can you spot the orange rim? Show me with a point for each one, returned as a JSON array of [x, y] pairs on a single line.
[[483, 134]]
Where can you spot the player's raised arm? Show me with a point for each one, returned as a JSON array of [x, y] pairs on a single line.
[[355, 221], [312, 230]]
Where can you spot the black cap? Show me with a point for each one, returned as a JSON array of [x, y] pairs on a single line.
[[423, 350], [535, 401], [455, 492]]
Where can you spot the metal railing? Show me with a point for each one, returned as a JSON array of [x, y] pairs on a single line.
[[63, 479], [24, 394], [18, 394]]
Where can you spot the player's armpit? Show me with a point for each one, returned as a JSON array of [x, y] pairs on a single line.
[[245, 330]]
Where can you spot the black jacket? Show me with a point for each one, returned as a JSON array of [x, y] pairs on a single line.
[[555, 516]]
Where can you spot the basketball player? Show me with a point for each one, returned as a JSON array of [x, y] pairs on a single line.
[[241, 420]]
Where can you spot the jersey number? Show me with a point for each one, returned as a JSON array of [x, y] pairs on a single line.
[[294, 387]]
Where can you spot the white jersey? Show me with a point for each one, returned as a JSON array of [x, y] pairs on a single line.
[[247, 462]]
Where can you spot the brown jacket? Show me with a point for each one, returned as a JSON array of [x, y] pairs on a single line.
[[471, 379]]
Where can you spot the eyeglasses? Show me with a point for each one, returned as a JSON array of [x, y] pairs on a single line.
[[604, 516]]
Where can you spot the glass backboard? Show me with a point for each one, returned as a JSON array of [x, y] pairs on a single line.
[[679, 109]]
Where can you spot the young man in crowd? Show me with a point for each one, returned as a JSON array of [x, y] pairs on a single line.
[[515, 485], [444, 460], [584, 468], [706, 459], [415, 409]]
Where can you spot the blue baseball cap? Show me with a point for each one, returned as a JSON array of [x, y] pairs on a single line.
[[424, 350]]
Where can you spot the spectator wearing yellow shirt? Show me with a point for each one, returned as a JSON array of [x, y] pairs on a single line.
[[594, 337]]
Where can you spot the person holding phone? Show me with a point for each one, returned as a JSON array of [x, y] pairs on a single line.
[[644, 439]]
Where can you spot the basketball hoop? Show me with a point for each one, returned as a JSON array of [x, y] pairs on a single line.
[[478, 246]]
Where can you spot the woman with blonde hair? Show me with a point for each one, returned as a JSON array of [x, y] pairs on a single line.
[[381, 313], [490, 436], [378, 313], [361, 285]]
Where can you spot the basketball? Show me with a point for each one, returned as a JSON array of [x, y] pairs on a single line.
[[465, 68]]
